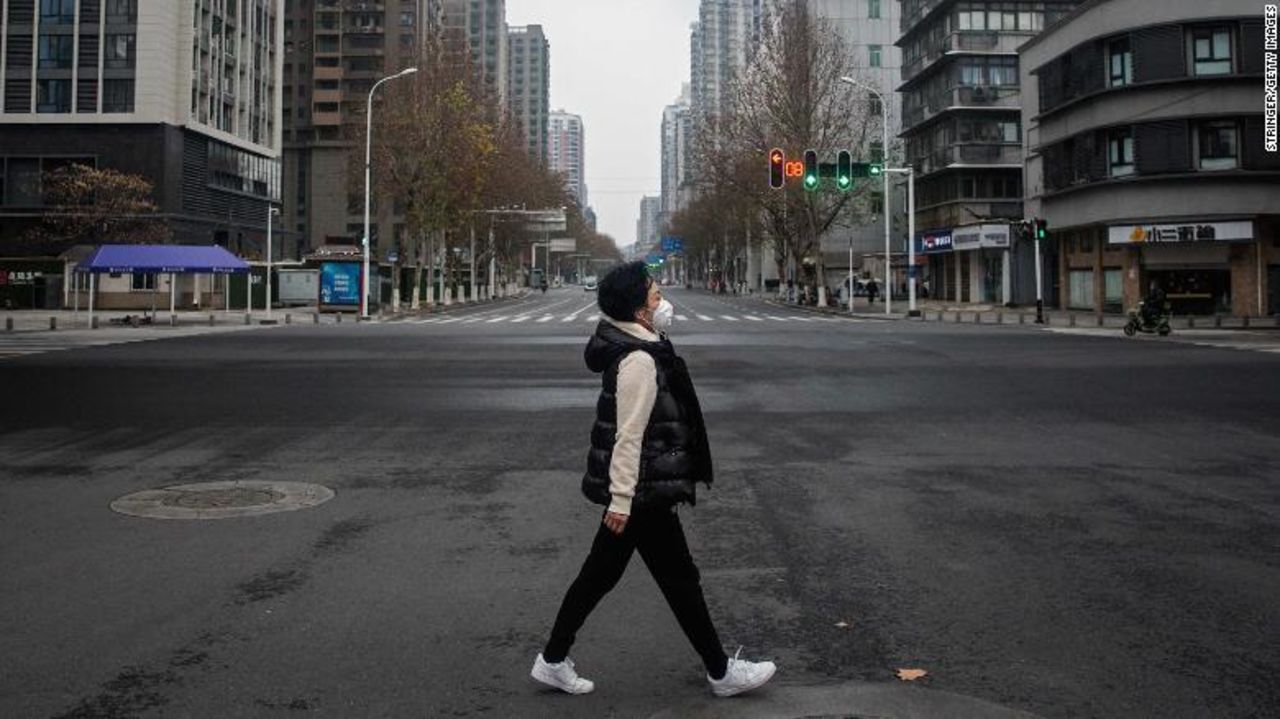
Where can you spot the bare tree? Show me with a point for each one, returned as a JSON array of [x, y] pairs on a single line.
[[435, 142], [791, 97]]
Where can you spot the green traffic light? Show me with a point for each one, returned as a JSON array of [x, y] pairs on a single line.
[[876, 170], [810, 181], [843, 182]]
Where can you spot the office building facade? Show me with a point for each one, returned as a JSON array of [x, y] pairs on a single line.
[[186, 94]]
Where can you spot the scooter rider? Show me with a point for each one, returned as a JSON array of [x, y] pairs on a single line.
[[1153, 306]]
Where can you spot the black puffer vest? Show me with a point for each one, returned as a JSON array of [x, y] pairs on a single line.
[[674, 453]]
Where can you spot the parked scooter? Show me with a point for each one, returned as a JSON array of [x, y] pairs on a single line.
[[1142, 321]]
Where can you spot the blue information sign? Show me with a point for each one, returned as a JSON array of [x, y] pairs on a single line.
[[340, 283], [672, 244]]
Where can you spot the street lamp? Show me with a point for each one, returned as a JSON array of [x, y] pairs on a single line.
[[368, 146], [884, 153], [272, 211]]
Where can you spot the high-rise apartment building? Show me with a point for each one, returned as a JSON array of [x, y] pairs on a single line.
[[648, 230], [529, 86], [722, 42], [567, 152], [677, 133], [481, 25], [185, 93], [962, 129], [335, 50]]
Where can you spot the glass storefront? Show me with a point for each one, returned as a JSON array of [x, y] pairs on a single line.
[[1194, 291]]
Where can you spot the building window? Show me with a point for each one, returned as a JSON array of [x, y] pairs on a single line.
[[119, 52], [57, 11], [1211, 51], [1120, 152], [873, 103], [1081, 297], [1217, 146], [1121, 62], [55, 51], [873, 9], [973, 20], [874, 53], [122, 12], [406, 18], [139, 281], [117, 96], [53, 96]]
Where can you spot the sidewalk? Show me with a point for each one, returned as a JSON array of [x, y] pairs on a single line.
[[959, 313], [47, 320]]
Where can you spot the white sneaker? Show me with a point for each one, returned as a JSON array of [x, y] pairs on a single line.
[[562, 676], [741, 676]]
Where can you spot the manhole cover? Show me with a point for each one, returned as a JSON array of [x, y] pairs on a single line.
[[222, 500]]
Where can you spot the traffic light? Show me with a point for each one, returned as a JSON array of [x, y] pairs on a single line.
[[844, 170], [875, 170], [777, 169], [1042, 229], [810, 170]]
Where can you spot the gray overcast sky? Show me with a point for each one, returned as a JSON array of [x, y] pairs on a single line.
[[616, 63]]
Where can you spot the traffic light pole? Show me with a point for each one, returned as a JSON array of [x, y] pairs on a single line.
[[1039, 286], [911, 233]]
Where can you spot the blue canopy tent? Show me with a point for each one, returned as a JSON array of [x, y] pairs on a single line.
[[159, 259]]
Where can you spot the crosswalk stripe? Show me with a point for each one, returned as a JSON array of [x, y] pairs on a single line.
[[593, 318], [727, 317], [753, 319], [548, 318], [496, 319], [518, 320], [704, 318], [570, 318], [775, 317], [682, 318]]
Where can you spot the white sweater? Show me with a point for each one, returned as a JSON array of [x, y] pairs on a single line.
[[637, 391]]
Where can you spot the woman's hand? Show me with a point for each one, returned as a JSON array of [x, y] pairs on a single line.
[[615, 522]]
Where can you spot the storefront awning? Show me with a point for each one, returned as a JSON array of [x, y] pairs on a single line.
[[153, 259]]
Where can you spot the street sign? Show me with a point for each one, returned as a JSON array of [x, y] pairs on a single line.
[[563, 245], [672, 244]]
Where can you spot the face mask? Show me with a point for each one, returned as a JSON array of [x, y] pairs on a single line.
[[663, 316]]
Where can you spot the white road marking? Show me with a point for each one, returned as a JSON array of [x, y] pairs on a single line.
[[496, 319], [727, 317], [704, 318]]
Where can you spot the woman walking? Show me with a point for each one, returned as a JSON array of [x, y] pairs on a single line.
[[648, 448]]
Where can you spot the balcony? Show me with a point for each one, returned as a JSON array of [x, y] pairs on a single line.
[[956, 213], [962, 97], [320, 72], [970, 155], [918, 13], [365, 6], [967, 41]]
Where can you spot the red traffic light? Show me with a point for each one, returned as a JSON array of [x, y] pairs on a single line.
[[777, 169]]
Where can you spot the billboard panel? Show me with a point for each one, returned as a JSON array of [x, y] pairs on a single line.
[[340, 284]]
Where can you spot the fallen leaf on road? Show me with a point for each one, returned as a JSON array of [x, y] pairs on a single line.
[[910, 675]]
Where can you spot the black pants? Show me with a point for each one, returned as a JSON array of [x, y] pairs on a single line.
[[660, 539]]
